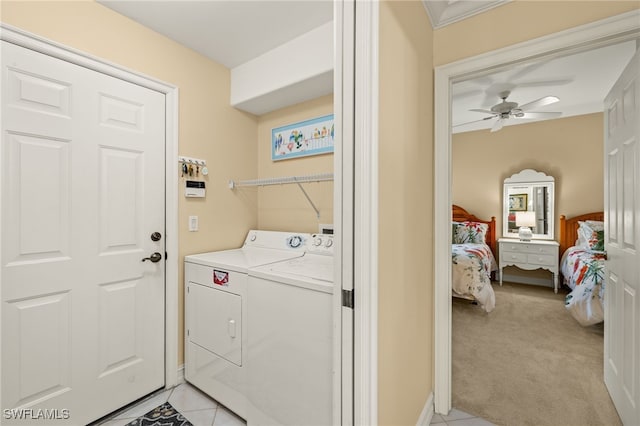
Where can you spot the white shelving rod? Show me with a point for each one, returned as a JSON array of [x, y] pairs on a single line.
[[321, 177]]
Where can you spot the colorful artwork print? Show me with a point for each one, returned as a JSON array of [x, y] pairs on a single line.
[[310, 137]]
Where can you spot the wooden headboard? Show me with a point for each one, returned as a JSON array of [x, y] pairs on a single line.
[[460, 215], [569, 229]]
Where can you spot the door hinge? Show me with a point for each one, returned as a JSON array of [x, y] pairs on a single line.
[[187, 332], [347, 298]]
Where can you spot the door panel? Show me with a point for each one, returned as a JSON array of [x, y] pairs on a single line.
[[39, 175], [118, 303], [120, 209], [82, 166], [622, 270], [43, 326]]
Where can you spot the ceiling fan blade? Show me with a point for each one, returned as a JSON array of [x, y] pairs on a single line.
[[486, 111], [544, 83], [547, 100], [466, 94], [471, 122], [498, 125], [526, 70], [541, 115]]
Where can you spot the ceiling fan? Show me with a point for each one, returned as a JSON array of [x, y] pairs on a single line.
[[506, 110]]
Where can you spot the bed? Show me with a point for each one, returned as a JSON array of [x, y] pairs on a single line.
[[473, 257], [582, 266]]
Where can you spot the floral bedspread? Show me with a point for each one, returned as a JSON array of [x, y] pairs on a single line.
[[583, 272], [472, 265]]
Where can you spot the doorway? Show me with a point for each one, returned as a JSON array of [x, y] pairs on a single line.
[[608, 31]]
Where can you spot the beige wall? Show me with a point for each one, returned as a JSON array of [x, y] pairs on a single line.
[[569, 149], [518, 21], [209, 128], [405, 336], [284, 207]]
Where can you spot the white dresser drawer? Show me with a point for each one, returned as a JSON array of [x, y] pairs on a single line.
[[510, 256], [528, 248], [541, 259]]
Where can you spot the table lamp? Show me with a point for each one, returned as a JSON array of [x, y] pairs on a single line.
[[525, 220]]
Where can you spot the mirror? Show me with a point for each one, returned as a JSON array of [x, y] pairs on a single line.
[[528, 200]]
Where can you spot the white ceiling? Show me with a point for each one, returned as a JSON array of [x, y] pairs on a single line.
[[581, 81], [228, 32], [232, 32]]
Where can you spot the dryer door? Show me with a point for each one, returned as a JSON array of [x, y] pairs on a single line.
[[215, 319]]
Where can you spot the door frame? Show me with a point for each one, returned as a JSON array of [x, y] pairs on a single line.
[[610, 30], [39, 44], [356, 211]]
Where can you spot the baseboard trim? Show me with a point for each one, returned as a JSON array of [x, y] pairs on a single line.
[[427, 412]]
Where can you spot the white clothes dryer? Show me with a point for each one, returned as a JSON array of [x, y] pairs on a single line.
[[216, 312], [290, 322]]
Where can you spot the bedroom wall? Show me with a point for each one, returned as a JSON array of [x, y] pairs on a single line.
[[284, 207], [405, 265], [569, 149], [209, 128]]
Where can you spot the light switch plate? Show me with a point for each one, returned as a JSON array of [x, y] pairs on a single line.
[[193, 223]]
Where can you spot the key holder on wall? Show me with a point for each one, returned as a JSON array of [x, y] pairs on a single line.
[[192, 167]]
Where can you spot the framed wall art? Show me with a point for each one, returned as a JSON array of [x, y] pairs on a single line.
[[309, 137], [518, 202]]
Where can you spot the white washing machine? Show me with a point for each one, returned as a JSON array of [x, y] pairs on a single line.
[[216, 312], [290, 322]]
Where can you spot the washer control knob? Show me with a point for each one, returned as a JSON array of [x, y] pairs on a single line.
[[329, 242], [295, 241], [317, 241], [253, 237]]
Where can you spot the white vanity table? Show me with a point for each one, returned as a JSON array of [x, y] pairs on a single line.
[[529, 255], [531, 192]]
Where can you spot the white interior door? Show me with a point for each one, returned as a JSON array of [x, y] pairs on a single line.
[[622, 242], [82, 173]]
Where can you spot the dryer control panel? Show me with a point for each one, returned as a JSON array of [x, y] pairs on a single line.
[[320, 244]]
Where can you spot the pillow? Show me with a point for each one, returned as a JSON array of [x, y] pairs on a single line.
[[469, 232], [454, 227], [591, 235]]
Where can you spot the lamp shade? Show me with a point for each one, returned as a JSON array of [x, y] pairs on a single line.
[[527, 219]]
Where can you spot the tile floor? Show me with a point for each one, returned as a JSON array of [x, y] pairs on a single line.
[[201, 410], [459, 418], [197, 407]]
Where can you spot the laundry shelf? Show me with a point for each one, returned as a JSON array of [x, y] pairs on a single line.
[[320, 177]]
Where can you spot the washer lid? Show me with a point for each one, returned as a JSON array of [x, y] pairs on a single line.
[[317, 267], [240, 260]]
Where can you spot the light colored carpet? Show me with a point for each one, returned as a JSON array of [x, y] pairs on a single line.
[[528, 362]]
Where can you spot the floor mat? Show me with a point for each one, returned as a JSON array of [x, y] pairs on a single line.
[[162, 415]]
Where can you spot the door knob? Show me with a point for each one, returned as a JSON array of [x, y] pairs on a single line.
[[156, 236], [155, 257]]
